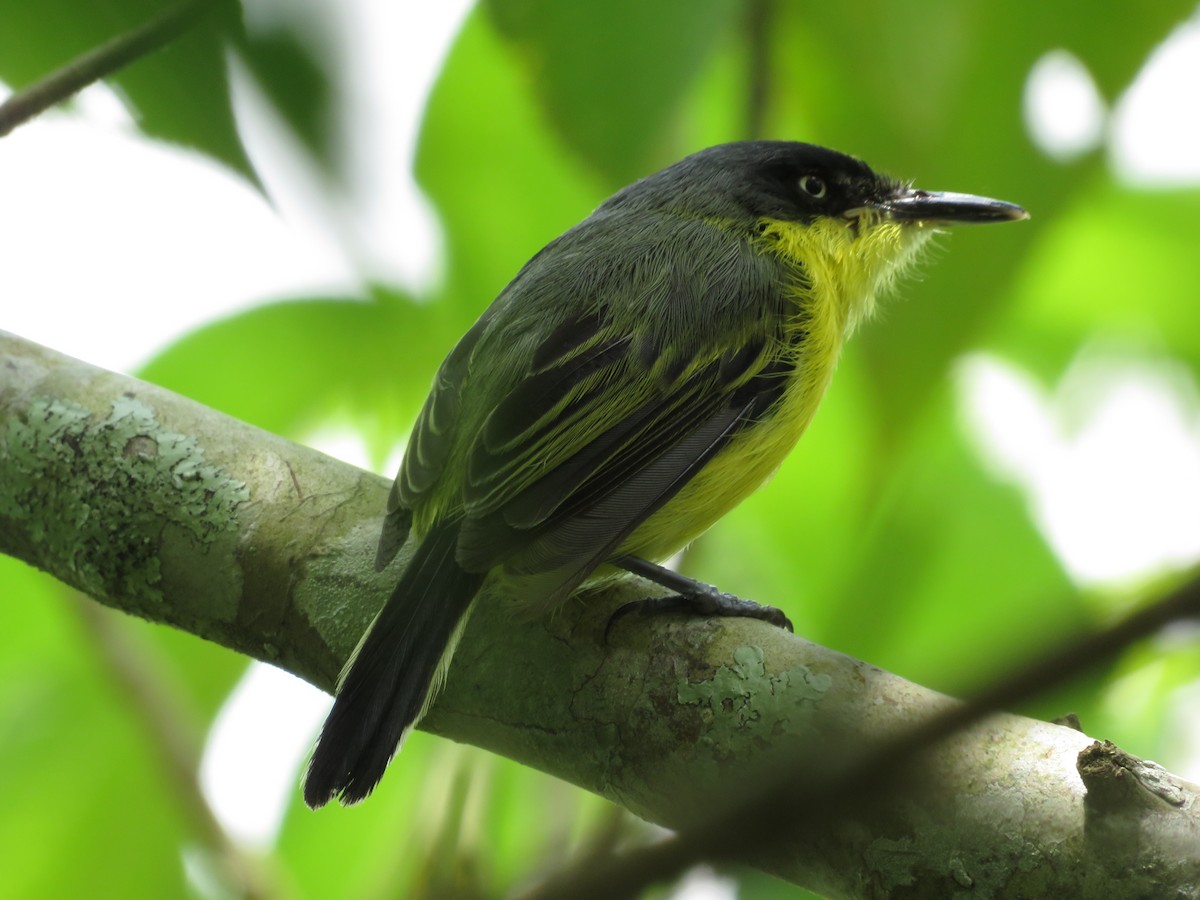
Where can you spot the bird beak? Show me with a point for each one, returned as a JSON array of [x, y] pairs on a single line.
[[940, 208]]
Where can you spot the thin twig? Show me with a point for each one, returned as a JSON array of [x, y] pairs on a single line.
[[792, 803], [59, 85]]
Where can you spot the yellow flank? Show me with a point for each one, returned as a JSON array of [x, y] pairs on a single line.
[[840, 267]]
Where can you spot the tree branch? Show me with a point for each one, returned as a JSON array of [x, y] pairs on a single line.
[[156, 505], [1124, 796]]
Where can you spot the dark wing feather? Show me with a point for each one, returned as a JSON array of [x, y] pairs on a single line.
[[433, 436], [549, 412], [429, 445], [562, 556], [563, 524]]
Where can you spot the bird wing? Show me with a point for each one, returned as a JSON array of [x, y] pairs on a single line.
[[594, 441], [597, 411]]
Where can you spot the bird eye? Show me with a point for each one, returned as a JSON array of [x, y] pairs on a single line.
[[813, 186]]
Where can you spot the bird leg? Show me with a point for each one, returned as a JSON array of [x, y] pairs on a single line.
[[690, 596]]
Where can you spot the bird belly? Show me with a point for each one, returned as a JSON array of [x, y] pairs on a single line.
[[749, 460]]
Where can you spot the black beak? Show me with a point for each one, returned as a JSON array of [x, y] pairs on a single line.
[[910, 205]]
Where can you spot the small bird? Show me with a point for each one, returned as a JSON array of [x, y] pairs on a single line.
[[638, 378]]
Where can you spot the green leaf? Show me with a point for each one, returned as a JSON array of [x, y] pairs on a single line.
[[611, 75], [1118, 262], [361, 851], [293, 364], [297, 82], [179, 93], [934, 93], [501, 182], [73, 760]]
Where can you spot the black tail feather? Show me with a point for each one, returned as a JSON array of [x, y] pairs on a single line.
[[396, 526], [384, 690]]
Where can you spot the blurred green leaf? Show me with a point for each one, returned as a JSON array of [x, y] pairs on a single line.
[[951, 122], [501, 183], [1118, 262], [512, 822], [297, 82], [373, 849], [611, 75], [73, 760], [179, 93], [199, 673], [291, 365], [960, 554]]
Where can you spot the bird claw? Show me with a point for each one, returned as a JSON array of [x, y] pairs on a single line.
[[706, 600]]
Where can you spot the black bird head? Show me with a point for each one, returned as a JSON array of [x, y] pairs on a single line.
[[788, 181]]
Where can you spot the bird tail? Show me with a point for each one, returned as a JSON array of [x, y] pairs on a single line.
[[394, 674]]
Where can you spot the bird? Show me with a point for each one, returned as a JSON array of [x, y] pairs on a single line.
[[641, 375]]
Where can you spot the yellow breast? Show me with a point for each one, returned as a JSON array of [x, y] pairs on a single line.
[[839, 271]]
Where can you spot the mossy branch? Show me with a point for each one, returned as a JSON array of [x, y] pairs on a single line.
[[156, 505]]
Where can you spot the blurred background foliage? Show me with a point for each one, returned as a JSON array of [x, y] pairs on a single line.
[[892, 533]]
